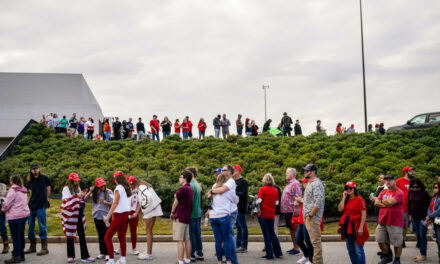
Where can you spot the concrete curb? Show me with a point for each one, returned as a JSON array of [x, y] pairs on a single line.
[[210, 238]]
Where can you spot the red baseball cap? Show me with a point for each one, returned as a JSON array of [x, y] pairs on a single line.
[[131, 179], [304, 180], [116, 174], [73, 176], [406, 169], [351, 184], [247, 119], [237, 167], [100, 182]]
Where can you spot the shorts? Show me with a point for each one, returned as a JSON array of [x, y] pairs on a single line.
[[153, 213], [180, 231], [405, 221], [389, 234], [63, 130], [190, 134], [72, 130], [288, 218]]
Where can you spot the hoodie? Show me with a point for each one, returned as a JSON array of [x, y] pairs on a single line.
[[16, 204]]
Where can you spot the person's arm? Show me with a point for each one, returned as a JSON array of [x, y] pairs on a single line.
[[48, 189], [318, 196], [341, 204], [87, 196], [361, 226], [220, 190], [136, 213], [389, 202], [9, 201], [113, 207], [173, 208]]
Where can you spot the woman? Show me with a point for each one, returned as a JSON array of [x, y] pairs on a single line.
[[133, 216], [63, 125], [107, 130], [73, 219], [254, 128], [81, 126], [166, 127], [185, 128], [433, 213], [353, 226], [102, 199], [302, 236], [268, 198], [202, 128], [43, 120], [220, 222], [418, 203], [90, 128], [339, 128], [17, 212], [177, 127], [56, 123], [150, 204], [120, 210]]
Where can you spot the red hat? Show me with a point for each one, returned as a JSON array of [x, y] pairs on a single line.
[[131, 179], [237, 167], [116, 174], [351, 184], [304, 180], [73, 176], [100, 182], [352, 126], [247, 119], [376, 125], [406, 169]]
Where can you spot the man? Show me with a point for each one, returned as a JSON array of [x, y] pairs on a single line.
[[154, 124], [181, 216], [319, 127], [217, 124], [350, 129], [229, 189], [247, 128], [403, 184], [289, 206], [241, 191], [266, 125], [286, 124], [73, 125], [117, 128], [39, 186], [195, 232], [390, 227], [130, 127], [297, 128], [140, 128], [239, 125], [225, 126], [190, 127], [313, 210], [379, 189]]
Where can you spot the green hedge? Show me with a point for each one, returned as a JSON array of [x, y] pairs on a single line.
[[357, 157]]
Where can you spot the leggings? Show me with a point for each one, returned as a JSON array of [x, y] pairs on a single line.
[[118, 224], [133, 229]]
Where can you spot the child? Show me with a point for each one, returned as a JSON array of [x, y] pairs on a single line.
[[102, 199], [73, 219], [120, 210], [3, 231], [17, 212]]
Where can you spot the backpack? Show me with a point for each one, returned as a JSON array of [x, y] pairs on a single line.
[[147, 198]]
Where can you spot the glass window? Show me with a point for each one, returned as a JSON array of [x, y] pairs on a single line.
[[434, 118], [418, 120]]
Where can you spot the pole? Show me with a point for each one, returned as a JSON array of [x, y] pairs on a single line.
[[265, 109], [363, 70]]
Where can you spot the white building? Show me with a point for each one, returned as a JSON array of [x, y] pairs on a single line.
[[25, 96]]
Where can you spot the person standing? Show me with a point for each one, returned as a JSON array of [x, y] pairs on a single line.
[[107, 130], [140, 128], [130, 127], [166, 127], [39, 186], [117, 128], [266, 125], [373, 196], [154, 124], [225, 126], [390, 227], [185, 128], [302, 236], [202, 128], [17, 211], [195, 232], [56, 123], [239, 125], [181, 217], [63, 125], [73, 125], [403, 184], [381, 129], [351, 129], [289, 206], [90, 128], [353, 225], [3, 230], [319, 128], [297, 128], [190, 127], [313, 210], [286, 124], [177, 127], [247, 128], [217, 124], [133, 215], [241, 191], [73, 219], [81, 126], [434, 212], [418, 203]]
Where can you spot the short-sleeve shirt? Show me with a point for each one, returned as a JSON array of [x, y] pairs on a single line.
[[100, 211], [133, 200], [185, 197], [38, 187], [166, 126], [269, 197], [154, 124], [63, 123], [231, 192], [196, 209], [66, 194], [176, 127], [190, 125], [288, 202], [403, 184], [73, 122], [392, 215], [124, 202], [202, 126], [354, 206]]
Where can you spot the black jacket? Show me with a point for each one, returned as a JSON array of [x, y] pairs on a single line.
[[241, 190]]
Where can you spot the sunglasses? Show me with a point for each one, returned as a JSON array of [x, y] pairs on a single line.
[[224, 170], [348, 188], [435, 187]]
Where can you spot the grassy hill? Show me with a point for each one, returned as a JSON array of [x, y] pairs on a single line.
[[357, 157]]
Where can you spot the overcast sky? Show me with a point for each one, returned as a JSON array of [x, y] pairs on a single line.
[[203, 57]]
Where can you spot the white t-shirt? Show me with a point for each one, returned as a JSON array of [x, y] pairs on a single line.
[[231, 195], [124, 202], [220, 206], [66, 193], [133, 200], [90, 124]]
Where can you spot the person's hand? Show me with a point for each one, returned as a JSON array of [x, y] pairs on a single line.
[[103, 202], [209, 194], [172, 217], [134, 215], [410, 218], [207, 214], [92, 188], [361, 231], [106, 219]]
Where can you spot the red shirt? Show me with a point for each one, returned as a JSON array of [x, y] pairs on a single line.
[[154, 123], [185, 127], [176, 127], [269, 196], [392, 215], [403, 184], [202, 126], [190, 125], [354, 206]]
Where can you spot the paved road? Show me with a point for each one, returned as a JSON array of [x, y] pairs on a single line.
[[166, 253]]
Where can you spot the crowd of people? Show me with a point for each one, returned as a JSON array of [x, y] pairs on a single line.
[[114, 129]]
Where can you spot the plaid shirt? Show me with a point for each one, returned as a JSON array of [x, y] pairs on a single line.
[[314, 195], [288, 202]]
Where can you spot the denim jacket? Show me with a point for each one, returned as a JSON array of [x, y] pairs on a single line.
[[436, 212]]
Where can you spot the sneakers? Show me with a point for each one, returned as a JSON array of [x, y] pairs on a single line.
[[294, 252], [107, 257], [70, 260], [420, 258], [396, 261], [145, 256], [118, 251], [100, 256], [241, 250], [193, 259], [134, 252], [386, 259], [201, 258], [308, 262], [121, 261], [302, 260], [88, 260]]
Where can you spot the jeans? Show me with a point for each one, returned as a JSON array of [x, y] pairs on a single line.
[[166, 133], [239, 131], [16, 227], [185, 134], [217, 132], [437, 239], [356, 252], [195, 236], [155, 135], [303, 241], [141, 135], [40, 214], [3, 231], [270, 239], [201, 134], [222, 232], [233, 219], [82, 241], [242, 231], [420, 231], [107, 135], [248, 134]]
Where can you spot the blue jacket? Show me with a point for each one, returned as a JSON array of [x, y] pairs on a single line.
[[436, 212]]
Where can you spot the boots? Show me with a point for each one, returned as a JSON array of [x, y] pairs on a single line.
[[44, 249], [32, 247], [5, 246], [13, 260]]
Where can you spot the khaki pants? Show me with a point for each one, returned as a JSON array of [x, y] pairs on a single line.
[[313, 227]]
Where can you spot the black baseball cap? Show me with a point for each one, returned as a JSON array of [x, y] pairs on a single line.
[[311, 167], [389, 176], [35, 166]]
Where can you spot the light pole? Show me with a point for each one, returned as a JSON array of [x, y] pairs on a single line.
[[265, 87], [363, 69]]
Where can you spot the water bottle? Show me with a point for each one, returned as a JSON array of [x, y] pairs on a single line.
[[206, 221]]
